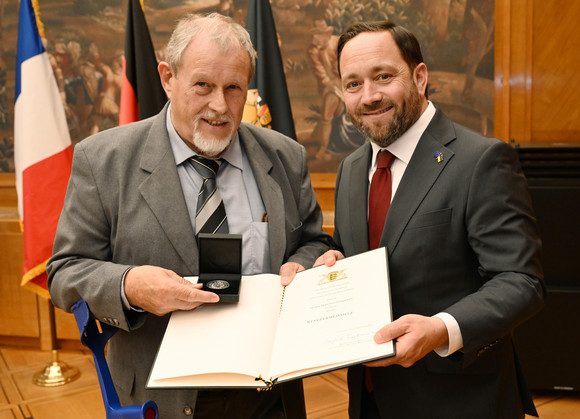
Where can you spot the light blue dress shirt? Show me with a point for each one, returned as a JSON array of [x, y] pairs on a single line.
[[240, 195]]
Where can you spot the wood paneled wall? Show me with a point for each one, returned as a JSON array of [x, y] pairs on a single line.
[[324, 187], [537, 92], [24, 317], [537, 99]]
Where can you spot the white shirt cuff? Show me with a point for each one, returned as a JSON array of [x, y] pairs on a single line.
[[454, 333]]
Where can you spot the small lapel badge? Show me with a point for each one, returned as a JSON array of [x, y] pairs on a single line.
[[438, 157]]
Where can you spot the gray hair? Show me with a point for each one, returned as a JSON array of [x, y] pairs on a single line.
[[218, 28]]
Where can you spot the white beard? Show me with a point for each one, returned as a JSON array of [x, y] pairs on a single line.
[[208, 146]]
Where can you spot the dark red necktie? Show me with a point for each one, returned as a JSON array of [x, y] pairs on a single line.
[[379, 203], [379, 197]]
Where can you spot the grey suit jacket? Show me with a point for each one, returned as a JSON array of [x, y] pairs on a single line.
[[125, 207], [461, 238]]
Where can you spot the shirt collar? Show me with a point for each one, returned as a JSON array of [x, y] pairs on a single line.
[[404, 147], [181, 152]]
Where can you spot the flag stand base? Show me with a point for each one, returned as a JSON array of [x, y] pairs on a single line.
[[56, 373]]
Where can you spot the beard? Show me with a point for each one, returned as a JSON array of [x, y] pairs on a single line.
[[404, 117], [211, 147]]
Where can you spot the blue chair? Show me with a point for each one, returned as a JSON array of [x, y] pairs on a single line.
[[96, 340]]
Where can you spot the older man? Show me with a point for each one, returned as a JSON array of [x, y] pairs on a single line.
[[127, 233]]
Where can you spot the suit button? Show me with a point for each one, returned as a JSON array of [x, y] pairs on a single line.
[[111, 321], [187, 410]]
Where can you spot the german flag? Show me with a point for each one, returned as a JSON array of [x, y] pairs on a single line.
[[268, 103], [142, 94]]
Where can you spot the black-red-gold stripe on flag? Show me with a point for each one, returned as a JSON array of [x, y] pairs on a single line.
[[142, 95]]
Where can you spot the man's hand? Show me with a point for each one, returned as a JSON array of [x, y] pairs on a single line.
[[329, 258], [288, 272], [416, 337], [161, 291]]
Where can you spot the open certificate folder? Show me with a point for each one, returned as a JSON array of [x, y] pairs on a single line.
[[324, 320]]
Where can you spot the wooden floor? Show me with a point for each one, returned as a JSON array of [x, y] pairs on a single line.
[[20, 398]]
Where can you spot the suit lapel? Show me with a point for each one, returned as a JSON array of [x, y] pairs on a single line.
[[272, 196], [357, 194], [162, 192], [420, 175]]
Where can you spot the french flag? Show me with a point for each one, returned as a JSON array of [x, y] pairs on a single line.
[[42, 149]]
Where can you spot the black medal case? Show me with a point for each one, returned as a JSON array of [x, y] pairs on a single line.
[[220, 265]]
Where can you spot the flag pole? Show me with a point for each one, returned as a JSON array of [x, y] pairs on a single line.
[[55, 373], [34, 171]]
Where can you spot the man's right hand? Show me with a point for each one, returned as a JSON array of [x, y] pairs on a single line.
[[161, 291]]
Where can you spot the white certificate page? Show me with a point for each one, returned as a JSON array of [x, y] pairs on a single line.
[[331, 314]]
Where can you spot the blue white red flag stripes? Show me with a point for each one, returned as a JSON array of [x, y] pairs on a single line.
[[42, 150]]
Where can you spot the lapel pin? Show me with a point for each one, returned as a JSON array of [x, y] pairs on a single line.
[[438, 157]]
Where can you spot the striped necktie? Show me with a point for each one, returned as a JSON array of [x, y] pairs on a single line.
[[210, 215]]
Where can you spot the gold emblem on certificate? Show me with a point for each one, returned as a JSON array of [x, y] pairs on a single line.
[[218, 284], [332, 277]]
